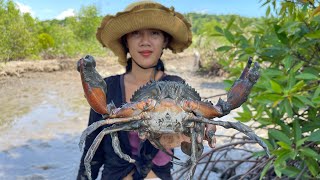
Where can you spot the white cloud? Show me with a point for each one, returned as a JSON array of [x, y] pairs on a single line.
[[66, 13], [202, 11], [25, 9]]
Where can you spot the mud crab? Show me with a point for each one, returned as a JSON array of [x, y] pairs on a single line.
[[162, 107]]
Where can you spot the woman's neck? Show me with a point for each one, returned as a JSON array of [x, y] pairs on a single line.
[[142, 76], [138, 77]]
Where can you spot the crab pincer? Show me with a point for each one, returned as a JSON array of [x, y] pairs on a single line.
[[95, 88], [241, 88]]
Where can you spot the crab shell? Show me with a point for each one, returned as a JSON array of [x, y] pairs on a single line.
[[168, 113]]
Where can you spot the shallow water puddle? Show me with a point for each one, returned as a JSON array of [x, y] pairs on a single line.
[[40, 128]]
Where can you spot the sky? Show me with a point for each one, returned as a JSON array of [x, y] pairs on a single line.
[[59, 9]]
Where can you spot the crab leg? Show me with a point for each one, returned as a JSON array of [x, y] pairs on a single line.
[[193, 157], [95, 144], [133, 109], [117, 148], [100, 123], [94, 86], [235, 125]]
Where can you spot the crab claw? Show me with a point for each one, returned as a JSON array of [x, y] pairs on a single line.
[[95, 88], [241, 88]]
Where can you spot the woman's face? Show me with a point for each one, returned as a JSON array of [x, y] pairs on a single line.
[[145, 46]]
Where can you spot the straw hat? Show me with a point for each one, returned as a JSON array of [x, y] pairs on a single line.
[[142, 15]]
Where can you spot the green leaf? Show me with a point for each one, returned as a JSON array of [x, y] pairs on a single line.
[[309, 153], [284, 145], [316, 100], [276, 87], [316, 93], [224, 48], [315, 136], [282, 36], [229, 36], [311, 126], [278, 169], [228, 84], [296, 130], [265, 169], [269, 98], [307, 76], [268, 11], [301, 141], [313, 166], [297, 87], [287, 107], [279, 135], [273, 52], [246, 115], [304, 100], [297, 103], [287, 61], [272, 72], [232, 19], [313, 35], [291, 171], [297, 67], [291, 80], [218, 29], [283, 156]]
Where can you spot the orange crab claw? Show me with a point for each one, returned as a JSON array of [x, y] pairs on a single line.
[[94, 86], [240, 90], [202, 108]]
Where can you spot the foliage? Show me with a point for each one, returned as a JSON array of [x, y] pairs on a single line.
[[88, 21], [16, 40], [23, 37], [286, 98], [204, 42]]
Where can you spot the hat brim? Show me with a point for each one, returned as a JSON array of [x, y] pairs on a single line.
[[114, 27]]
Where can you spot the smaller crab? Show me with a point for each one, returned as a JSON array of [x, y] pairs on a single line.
[[162, 107]]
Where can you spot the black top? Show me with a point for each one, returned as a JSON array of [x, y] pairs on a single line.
[[115, 167]]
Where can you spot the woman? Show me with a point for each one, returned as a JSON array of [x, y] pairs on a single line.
[[143, 30]]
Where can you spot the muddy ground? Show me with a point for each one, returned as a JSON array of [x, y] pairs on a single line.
[[43, 112]]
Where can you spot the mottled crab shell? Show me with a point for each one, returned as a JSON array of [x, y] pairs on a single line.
[[166, 89]]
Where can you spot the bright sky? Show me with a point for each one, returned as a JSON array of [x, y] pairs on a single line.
[[59, 9]]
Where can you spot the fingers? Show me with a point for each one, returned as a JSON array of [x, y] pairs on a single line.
[[169, 141], [199, 131], [210, 135]]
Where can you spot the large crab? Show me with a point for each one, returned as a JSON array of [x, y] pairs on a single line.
[[162, 107]]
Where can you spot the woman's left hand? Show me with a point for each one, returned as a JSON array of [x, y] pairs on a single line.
[[170, 141]]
